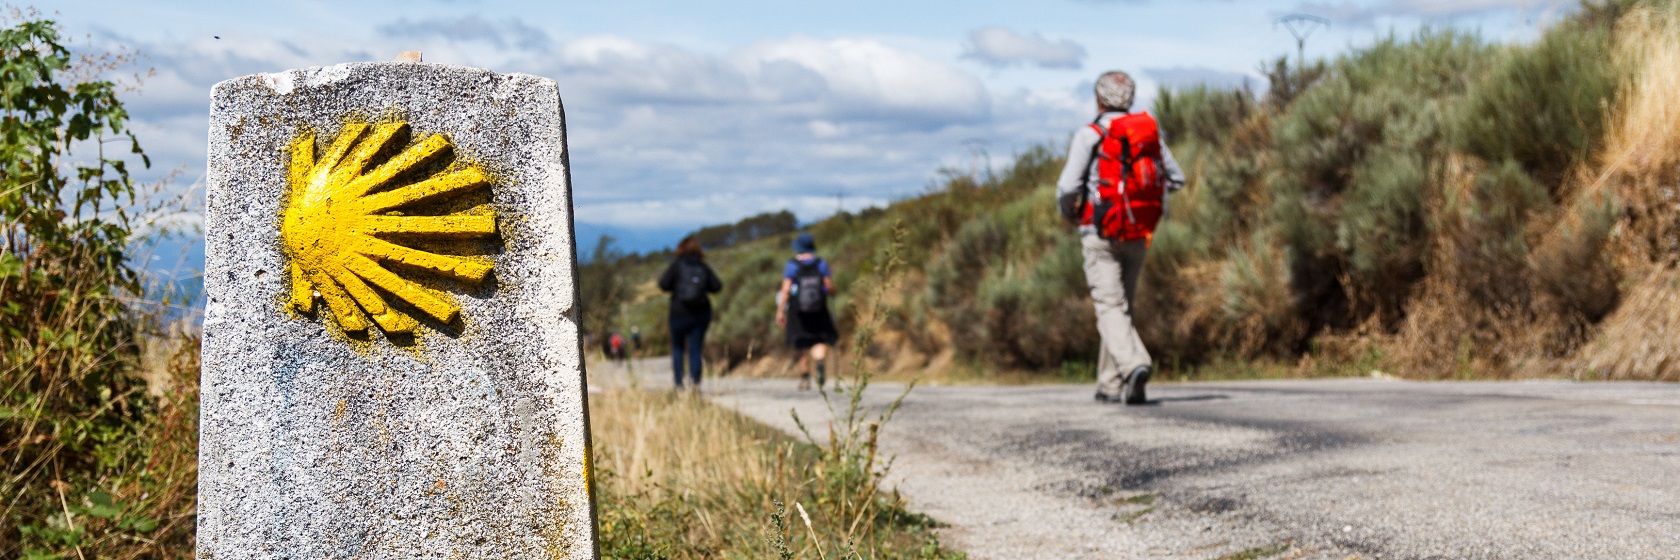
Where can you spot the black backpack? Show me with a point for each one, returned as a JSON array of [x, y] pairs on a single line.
[[809, 294], [691, 283]]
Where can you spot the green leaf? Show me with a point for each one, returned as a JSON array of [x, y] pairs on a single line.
[[104, 512], [141, 524]]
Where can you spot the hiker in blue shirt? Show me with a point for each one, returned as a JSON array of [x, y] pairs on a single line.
[[802, 309]]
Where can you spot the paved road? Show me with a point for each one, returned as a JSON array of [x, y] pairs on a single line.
[[1291, 469]]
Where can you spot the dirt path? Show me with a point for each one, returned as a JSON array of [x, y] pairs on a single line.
[[1286, 469]]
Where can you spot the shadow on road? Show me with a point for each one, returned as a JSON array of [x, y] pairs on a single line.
[[1188, 398]]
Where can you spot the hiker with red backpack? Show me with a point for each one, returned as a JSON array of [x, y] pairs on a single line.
[[689, 280], [802, 309], [1115, 187], [615, 347]]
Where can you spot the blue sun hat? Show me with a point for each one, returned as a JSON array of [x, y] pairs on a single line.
[[804, 244]]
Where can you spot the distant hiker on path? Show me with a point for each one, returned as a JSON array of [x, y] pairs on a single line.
[[1114, 186], [689, 280], [615, 347], [802, 308]]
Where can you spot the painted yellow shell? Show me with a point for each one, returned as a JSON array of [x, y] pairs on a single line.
[[339, 237]]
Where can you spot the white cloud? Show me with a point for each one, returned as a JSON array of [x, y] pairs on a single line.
[[867, 78], [663, 136], [835, 79], [1000, 47], [1350, 13], [594, 50], [825, 129]]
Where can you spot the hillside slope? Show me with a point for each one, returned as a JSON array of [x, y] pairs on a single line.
[[1434, 205]]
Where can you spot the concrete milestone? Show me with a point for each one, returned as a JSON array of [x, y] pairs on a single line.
[[392, 366]]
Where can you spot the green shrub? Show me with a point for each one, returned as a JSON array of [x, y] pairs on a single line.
[[744, 316], [1485, 235], [1285, 85], [1542, 106], [1573, 265], [1039, 319], [954, 278], [1419, 166], [1255, 287], [94, 466], [1356, 155], [1202, 114]]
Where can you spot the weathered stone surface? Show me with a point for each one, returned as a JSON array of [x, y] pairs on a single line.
[[464, 440]]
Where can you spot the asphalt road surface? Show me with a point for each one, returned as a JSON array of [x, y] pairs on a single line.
[[1280, 469]]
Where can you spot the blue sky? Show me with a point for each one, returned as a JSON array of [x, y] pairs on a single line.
[[690, 113]]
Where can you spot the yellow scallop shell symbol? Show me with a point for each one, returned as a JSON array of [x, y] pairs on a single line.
[[342, 227]]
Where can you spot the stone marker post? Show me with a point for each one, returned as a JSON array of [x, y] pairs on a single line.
[[391, 358]]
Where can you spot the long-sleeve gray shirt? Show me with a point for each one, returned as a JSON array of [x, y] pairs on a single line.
[[1080, 164]]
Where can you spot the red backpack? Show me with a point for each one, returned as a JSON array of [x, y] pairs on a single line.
[[1129, 182]]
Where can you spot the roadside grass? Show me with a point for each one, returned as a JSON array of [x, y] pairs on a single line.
[[1128, 518], [677, 477], [1146, 503], [1259, 552]]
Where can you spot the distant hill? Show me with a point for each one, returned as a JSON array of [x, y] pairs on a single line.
[[632, 240]]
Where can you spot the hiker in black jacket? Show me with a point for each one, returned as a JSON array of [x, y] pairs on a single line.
[[689, 280]]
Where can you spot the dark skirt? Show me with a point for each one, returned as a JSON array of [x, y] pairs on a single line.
[[805, 330]]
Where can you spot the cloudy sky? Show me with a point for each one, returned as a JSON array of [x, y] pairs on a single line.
[[689, 113]]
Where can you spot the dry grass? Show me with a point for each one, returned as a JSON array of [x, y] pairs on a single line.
[[680, 478], [1641, 170], [1639, 340], [1641, 157], [1474, 313], [99, 438], [659, 441], [1585, 302], [659, 448]]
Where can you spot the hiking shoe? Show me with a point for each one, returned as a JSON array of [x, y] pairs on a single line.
[[1132, 391], [1106, 398]]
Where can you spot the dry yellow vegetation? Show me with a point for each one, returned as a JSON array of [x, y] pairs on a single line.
[[1640, 169]]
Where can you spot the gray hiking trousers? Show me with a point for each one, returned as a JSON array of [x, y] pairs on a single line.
[[1112, 271]]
